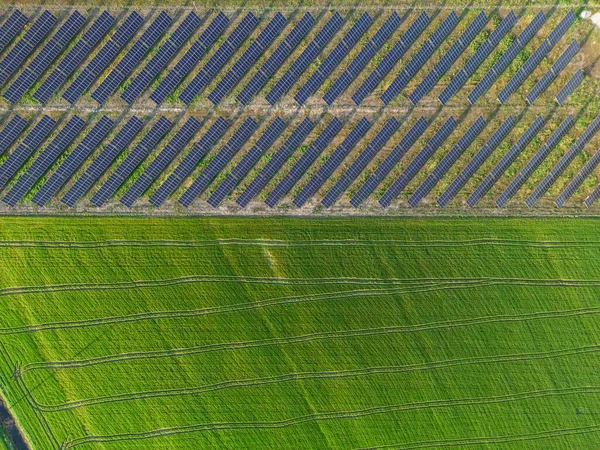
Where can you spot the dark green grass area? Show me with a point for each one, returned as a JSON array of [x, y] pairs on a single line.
[[252, 333]]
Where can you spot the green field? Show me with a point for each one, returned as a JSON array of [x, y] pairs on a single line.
[[246, 333]]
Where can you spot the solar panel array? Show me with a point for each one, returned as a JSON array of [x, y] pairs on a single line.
[[299, 66], [334, 58], [133, 57], [10, 132], [11, 28], [390, 162], [570, 87]]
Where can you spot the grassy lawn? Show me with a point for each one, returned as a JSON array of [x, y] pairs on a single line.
[[250, 333]]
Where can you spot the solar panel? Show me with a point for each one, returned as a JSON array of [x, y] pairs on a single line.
[[45, 160], [11, 131], [276, 162], [247, 162], [191, 58], [103, 58], [162, 57], [32, 141], [334, 58], [160, 163], [449, 58], [505, 162], [447, 162], [247, 60], [132, 161], [11, 27], [418, 162], [276, 60], [570, 87], [535, 162], [593, 197], [333, 162], [391, 58], [191, 161], [420, 58], [132, 59], [564, 162], [587, 169], [220, 58], [478, 58], [101, 164], [15, 58], [310, 53], [389, 162], [74, 57], [507, 57], [553, 72], [477, 161]]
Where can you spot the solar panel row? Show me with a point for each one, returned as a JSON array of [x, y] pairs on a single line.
[[11, 27], [578, 179], [10, 132], [570, 87], [593, 197]]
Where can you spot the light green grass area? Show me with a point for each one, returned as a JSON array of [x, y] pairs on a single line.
[[248, 333]]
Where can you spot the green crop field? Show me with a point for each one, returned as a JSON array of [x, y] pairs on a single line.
[[248, 333]]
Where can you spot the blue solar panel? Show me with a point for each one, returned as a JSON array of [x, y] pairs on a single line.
[[162, 57], [447, 162], [103, 161], [11, 27], [22, 153], [247, 162], [420, 58], [74, 57], [333, 162], [45, 160], [505, 162], [104, 57], [535, 162], [418, 162], [389, 162], [477, 161], [593, 197], [478, 58], [10, 132], [220, 58], [449, 58], [391, 58], [191, 58], [133, 57], [276, 162], [570, 87], [276, 60], [334, 58], [587, 169], [132, 161], [309, 54], [191, 161]]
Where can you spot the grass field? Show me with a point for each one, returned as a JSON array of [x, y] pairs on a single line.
[[301, 334]]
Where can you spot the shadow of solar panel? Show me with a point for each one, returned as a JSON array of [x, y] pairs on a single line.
[[417, 164], [247, 162], [447, 162], [563, 163], [32, 141], [535, 162], [391, 58], [132, 161], [191, 58], [333, 162], [101, 164], [133, 58], [11, 27], [22, 49], [389, 162], [276, 60], [276, 162], [220, 58], [74, 57], [10, 132], [505, 162], [104, 57], [45, 160], [478, 58], [420, 58], [190, 162], [570, 87], [299, 66]]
